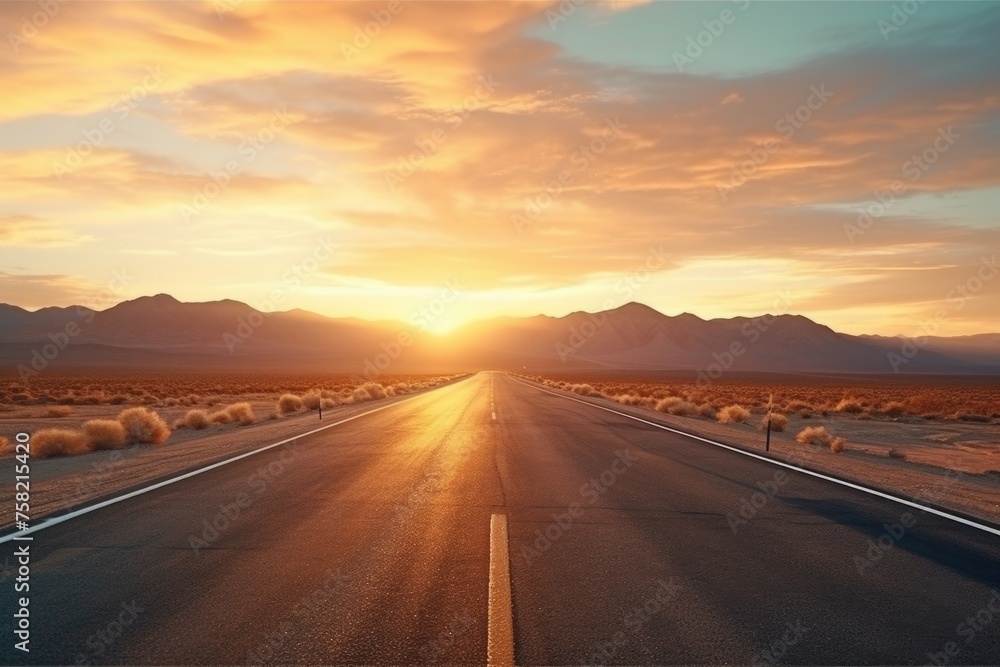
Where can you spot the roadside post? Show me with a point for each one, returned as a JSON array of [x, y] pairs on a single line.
[[770, 406]]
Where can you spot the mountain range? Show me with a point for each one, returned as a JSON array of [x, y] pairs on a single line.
[[161, 332]]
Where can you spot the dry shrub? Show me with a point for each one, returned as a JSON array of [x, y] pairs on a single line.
[[5, 445], [289, 403], [897, 454], [58, 442], [627, 399], [674, 405], [778, 421], [328, 403], [818, 435], [894, 409], [733, 413], [799, 406], [361, 394], [374, 389], [241, 413], [59, 411], [312, 399], [195, 419], [220, 417], [144, 426], [849, 405], [104, 433], [707, 410]]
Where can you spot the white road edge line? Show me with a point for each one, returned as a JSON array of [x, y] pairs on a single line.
[[500, 627], [851, 485], [48, 523]]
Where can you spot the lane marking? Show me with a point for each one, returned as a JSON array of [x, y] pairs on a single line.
[[851, 485], [500, 629], [494, 416], [53, 521]]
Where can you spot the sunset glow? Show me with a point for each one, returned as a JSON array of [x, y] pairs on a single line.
[[362, 159]]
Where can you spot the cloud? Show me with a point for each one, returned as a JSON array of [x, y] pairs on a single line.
[[28, 231], [425, 137]]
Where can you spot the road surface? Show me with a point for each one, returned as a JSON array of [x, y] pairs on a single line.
[[381, 541]]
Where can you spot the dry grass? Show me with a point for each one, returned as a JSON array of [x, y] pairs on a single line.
[[818, 435], [143, 426], [866, 397], [220, 417], [312, 399], [675, 405], [732, 414], [241, 413], [104, 434], [849, 405], [204, 389], [289, 403], [778, 421], [58, 411], [195, 420], [375, 390], [49, 442]]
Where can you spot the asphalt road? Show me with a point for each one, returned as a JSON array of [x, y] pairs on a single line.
[[370, 543]]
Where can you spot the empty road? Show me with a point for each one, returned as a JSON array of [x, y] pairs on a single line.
[[490, 520]]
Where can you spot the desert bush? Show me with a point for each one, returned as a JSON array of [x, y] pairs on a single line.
[[289, 403], [59, 411], [626, 399], [143, 426], [894, 409], [732, 413], [241, 413], [104, 433], [5, 445], [58, 442], [374, 389], [675, 405], [220, 417], [849, 405], [818, 435], [328, 403], [707, 410], [195, 419], [311, 399], [360, 395], [799, 406], [778, 421], [897, 454]]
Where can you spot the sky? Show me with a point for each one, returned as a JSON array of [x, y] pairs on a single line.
[[839, 160]]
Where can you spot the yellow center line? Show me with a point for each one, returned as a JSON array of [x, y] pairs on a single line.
[[500, 633]]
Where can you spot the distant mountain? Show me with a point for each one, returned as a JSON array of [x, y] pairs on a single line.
[[635, 336], [160, 331]]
